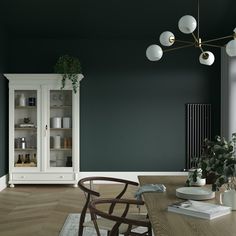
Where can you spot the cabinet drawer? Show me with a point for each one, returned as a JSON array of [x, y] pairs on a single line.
[[43, 176]]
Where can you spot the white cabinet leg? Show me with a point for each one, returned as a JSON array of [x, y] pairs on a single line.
[[75, 185], [12, 186]]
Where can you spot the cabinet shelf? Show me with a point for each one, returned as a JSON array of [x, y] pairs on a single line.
[[28, 128], [25, 149], [60, 149], [61, 107], [32, 164], [60, 128], [25, 107]]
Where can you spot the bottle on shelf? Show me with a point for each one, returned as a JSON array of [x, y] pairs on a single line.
[[27, 158], [65, 142], [22, 100], [35, 159], [19, 161], [23, 143], [69, 142]]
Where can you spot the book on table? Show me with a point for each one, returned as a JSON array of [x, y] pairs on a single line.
[[199, 209]]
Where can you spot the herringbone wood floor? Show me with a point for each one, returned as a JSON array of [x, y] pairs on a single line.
[[40, 210]]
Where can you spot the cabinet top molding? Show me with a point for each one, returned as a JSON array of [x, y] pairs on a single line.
[[24, 79], [37, 76]]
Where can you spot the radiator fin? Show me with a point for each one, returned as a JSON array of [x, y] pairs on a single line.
[[198, 127]]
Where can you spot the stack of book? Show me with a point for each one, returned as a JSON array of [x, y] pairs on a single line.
[[199, 209]]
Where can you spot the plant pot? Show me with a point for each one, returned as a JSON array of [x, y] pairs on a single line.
[[228, 198], [200, 181], [211, 178]]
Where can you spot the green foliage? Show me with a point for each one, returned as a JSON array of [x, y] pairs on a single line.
[[218, 157], [69, 67]]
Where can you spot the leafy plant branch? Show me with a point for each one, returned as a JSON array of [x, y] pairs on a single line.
[[69, 67]]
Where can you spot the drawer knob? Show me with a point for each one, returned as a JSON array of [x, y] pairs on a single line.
[[22, 177], [61, 176]]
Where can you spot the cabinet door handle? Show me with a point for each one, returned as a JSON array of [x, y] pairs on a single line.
[[45, 131]]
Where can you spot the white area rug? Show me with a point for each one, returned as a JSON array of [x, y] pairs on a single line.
[[71, 227]]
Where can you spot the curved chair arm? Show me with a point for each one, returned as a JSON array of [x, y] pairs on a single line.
[[123, 219], [101, 178]]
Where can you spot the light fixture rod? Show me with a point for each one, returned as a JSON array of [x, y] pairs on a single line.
[[195, 38], [176, 48], [183, 41], [212, 45], [216, 39], [198, 19], [202, 49]]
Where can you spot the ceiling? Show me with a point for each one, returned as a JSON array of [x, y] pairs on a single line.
[[122, 19]]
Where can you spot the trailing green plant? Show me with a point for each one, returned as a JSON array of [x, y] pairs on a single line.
[[69, 67], [218, 159]]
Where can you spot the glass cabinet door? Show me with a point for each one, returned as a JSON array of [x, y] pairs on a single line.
[[60, 128], [25, 130]]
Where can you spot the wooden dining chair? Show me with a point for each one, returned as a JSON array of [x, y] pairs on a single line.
[[119, 224], [86, 185]]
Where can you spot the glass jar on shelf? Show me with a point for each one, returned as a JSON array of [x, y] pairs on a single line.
[[22, 143]]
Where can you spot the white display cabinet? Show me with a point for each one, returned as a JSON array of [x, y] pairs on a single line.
[[43, 130]]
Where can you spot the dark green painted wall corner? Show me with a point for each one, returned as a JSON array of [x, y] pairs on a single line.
[[3, 103], [3, 126]]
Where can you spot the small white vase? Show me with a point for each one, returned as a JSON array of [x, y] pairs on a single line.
[[200, 181], [228, 198]]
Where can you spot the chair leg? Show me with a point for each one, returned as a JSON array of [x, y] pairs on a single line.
[[113, 234], [150, 231], [81, 229], [81, 222]]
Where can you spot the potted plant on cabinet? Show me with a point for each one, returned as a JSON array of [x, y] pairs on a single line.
[[69, 67]]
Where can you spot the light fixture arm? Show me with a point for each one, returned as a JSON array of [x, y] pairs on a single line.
[[198, 19], [183, 41], [221, 38], [180, 47], [213, 45], [195, 39]]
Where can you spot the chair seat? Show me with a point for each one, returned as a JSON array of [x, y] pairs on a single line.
[[107, 225]]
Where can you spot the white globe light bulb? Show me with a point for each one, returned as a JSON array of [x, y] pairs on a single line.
[[207, 58], [231, 48], [154, 52], [187, 24], [167, 38]]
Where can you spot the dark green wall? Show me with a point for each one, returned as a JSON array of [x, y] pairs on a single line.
[[132, 110], [3, 104], [3, 126]]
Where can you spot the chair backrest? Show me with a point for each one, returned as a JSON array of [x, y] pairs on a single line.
[[91, 193], [119, 220]]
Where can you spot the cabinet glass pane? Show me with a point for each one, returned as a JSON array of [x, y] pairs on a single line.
[[25, 119], [60, 128]]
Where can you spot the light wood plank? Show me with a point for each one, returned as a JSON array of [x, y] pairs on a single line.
[[40, 210]]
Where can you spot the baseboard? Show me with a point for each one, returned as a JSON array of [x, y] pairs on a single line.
[[3, 182], [133, 176]]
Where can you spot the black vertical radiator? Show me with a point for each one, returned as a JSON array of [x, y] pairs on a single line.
[[198, 127]]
